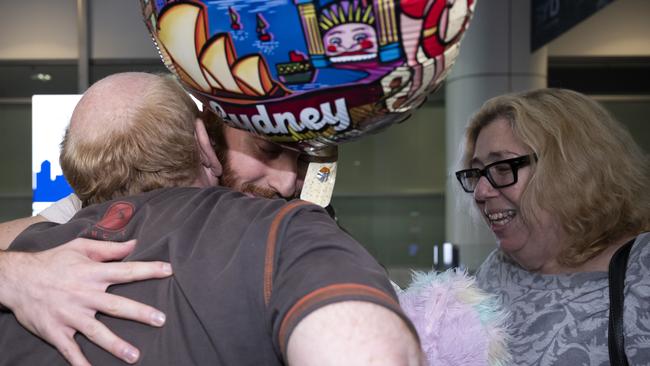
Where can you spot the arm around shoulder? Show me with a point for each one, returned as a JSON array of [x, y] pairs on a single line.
[[60, 212], [9, 230], [353, 333]]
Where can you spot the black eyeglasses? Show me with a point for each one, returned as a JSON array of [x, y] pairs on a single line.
[[500, 174]]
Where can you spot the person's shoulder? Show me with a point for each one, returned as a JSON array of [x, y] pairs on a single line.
[[639, 260], [175, 196], [642, 241], [495, 271], [311, 217], [495, 256], [226, 205], [637, 274], [495, 259], [290, 219], [637, 298], [262, 209], [301, 206]]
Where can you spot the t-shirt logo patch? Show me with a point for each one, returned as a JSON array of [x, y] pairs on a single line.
[[117, 216]]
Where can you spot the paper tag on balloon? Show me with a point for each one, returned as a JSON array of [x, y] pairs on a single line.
[[319, 183]]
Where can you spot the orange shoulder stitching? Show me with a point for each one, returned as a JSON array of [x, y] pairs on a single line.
[[271, 244]]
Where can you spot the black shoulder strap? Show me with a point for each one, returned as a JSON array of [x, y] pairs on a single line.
[[616, 341]]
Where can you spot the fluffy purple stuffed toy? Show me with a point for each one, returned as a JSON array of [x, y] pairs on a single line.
[[458, 324]]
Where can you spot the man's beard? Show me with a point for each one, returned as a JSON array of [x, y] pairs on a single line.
[[229, 179]]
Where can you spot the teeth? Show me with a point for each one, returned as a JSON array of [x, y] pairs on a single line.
[[501, 218], [349, 58], [500, 215]]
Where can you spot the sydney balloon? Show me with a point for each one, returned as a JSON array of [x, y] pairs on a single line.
[[309, 73]]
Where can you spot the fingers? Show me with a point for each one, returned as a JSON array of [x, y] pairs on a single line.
[[99, 334], [121, 307], [71, 351], [102, 251], [126, 271], [122, 272]]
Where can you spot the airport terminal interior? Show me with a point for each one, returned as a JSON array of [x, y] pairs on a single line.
[[394, 189]]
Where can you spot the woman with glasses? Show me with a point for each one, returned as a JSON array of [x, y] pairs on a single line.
[[562, 186]]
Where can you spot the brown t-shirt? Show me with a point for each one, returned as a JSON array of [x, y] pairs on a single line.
[[246, 271]]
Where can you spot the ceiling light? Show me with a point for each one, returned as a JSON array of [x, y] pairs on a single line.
[[41, 77]]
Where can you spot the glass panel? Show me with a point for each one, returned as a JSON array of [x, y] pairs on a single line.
[[390, 191], [15, 160], [18, 82], [405, 158], [634, 115], [26, 79], [398, 230]]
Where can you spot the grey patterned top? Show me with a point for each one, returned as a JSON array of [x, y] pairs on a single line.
[[563, 319]]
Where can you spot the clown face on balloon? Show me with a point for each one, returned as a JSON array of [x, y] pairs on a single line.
[[309, 74]]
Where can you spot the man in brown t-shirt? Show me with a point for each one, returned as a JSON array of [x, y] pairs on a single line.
[[256, 282]]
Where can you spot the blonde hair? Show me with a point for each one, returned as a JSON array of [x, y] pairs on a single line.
[[152, 147], [590, 174]]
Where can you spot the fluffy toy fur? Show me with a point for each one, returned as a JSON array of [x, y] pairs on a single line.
[[458, 323]]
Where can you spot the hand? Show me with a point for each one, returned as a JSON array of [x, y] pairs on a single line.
[[56, 293]]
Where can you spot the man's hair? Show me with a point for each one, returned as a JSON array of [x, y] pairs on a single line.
[[148, 144], [590, 175], [214, 127]]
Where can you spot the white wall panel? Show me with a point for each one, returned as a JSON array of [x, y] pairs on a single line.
[[38, 29], [118, 32]]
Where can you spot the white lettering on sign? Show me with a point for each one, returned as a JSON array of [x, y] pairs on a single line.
[[310, 119]]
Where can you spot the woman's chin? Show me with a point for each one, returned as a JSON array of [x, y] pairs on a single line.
[[509, 244], [509, 235]]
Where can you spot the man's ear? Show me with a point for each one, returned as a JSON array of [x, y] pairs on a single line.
[[209, 159]]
